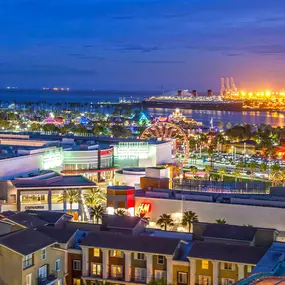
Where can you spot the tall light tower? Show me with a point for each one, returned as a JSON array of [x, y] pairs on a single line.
[[222, 91]]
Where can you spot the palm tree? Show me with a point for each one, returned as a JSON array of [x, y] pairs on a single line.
[[252, 166], [70, 196], [97, 212], [164, 221], [228, 125], [220, 125], [95, 197], [221, 221], [222, 172], [236, 174], [188, 218], [208, 169], [263, 167], [120, 212]]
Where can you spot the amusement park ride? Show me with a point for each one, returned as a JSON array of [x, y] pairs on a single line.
[[172, 128]]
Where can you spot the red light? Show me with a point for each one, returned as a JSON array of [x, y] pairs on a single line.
[[144, 207]]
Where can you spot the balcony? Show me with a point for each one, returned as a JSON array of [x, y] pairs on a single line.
[[116, 277], [139, 279], [49, 280]]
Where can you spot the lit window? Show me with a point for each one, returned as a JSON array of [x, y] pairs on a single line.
[[228, 266], [76, 281], [249, 268], [140, 256], [160, 259], [96, 252], [116, 253], [76, 264], [96, 269], [205, 264], [182, 277], [117, 271], [44, 253], [28, 261], [57, 265], [29, 279], [227, 281]]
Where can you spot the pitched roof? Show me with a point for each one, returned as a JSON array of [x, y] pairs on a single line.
[[26, 241], [129, 242], [47, 216], [227, 252], [224, 231], [60, 235], [116, 221], [26, 220]]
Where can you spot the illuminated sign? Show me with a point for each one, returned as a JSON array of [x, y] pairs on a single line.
[[37, 207], [144, 207]]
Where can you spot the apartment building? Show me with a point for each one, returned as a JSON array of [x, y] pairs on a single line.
[[28, 257], [121, 258]]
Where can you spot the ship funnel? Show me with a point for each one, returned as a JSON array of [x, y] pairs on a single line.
[[210, 92], [179, 93], [195, 93]]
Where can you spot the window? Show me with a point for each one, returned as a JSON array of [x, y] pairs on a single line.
[[227, 281], [28, 261], [116, 271], [96, 269], [57, 265], [159, 274], [182, 277], [160, 259], [44, 253], [140, 274], [43, 272], [117, 253], [76, 281], [76, 264], [205, 264], [204, 280], [140, 256], [29, 279], [96, 252], [228, 266]]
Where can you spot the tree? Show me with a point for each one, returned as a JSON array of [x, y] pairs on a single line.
[[161, 281], [70, 196], [263, 167], [220, 125], [95, 197], [252, 166], [228, 125], [208, 169], [120, 212], [236, 174], [222, 172], [189, 217], [164, 221], [221, 221], [96, 212]]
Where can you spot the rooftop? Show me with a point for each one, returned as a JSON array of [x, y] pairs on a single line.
[[58, 181], [227, 252], [129, 242], [225, 231], [24, 219], [60, 235], [123, 188], [50, 217], [26, 241], [123, 222]]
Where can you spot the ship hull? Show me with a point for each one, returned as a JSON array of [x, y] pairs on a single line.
[[220, 106]]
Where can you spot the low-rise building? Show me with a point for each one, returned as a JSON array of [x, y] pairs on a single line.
[[28, 257]]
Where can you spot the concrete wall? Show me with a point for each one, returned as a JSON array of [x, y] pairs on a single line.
[[22, 165], [128, 179], [81, 157], [163, 153], [258, 216]]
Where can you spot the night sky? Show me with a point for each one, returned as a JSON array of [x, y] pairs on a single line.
[[142, 44]]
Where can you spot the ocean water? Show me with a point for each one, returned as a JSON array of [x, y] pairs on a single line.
[[250, 117]]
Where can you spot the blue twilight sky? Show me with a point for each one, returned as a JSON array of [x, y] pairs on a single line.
[[142, 44]]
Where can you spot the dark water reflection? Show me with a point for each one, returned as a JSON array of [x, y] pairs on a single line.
[[250, 117]]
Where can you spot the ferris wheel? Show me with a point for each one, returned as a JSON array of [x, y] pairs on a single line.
[[166, 131]]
